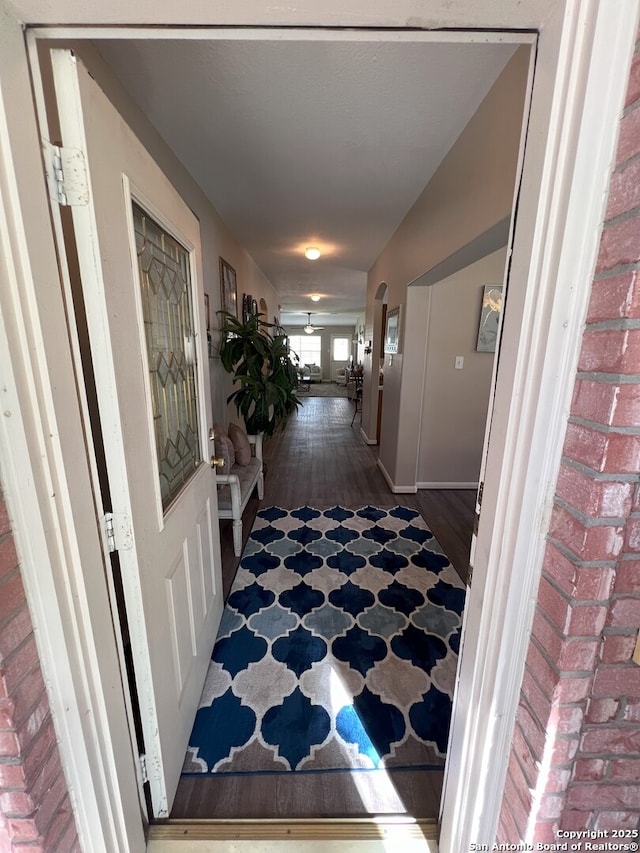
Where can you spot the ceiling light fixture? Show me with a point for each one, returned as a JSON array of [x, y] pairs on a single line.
[[312, 253], [315, 297]]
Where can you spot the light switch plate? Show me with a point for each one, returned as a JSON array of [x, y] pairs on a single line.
[[459, 362]]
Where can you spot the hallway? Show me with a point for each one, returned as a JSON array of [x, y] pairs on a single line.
[[320, 460]]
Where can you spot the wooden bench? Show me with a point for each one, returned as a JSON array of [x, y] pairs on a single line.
[[235, 489]]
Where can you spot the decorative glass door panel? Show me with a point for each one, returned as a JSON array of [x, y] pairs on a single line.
[[167, 306]]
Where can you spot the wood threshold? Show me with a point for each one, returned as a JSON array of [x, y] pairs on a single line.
[[328, 829]]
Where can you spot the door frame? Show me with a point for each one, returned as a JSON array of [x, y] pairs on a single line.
[[563, 212]]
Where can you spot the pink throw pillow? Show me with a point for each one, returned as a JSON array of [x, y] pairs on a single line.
[[241, 444]]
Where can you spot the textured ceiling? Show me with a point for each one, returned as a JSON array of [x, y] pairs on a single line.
[[309, 143]]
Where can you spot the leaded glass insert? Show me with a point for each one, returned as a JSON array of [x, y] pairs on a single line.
[[167, 307]]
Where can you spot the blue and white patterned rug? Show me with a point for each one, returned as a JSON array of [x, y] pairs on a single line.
[[337, 648]]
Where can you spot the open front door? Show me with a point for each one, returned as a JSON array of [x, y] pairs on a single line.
[[139, 255]]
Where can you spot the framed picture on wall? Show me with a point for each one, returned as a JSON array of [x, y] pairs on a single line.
[[489, 318], [392, 331], [228, 288]]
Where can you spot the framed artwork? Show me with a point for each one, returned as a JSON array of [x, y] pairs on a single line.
[[228, 288], [392, 331], [207, 315], [489, 318]]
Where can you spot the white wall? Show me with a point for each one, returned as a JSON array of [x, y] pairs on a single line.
[[470, 193], [454, 408]]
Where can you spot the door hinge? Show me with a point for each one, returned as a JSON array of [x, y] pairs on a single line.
[[480, 493], [117, 531], [144, 773], [66, 174]]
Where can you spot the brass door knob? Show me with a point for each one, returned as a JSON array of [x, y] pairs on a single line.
[[216, 462]]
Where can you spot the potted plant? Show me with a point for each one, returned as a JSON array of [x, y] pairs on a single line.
[[261, 366]]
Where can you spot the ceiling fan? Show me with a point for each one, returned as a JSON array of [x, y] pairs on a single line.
[[310, 328]]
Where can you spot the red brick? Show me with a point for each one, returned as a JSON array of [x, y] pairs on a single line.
[[522, 777], [23, 829], [28, 694], [627, 408], [624, 613], [617, 681], [9, 746], [572, 689], [556, 781], [579, 655], [567, 720], [618, 648], [589, 769], [544, 674], [20, 664], [627, 577], [532, 731], [538, 702], [67, 843], [564, 750], [574, 820], [550, 807], [37, 729], [528, 762], [625, 770], [632, 536], [593, 583], [587, 446], [587, 620], [615, 298], [547, 635], [632, 710], [519, 809], [624, 190], [594, 401], [16, 804], [553, 605], [7, 714], [601, 542], [11, 596], [602, 710], [509, 830], [11, 776], [633, 90], [5, 524], [629, 140], [612, 350], [15, 632], [617, 741], [53, 805], [623, 454], [617, 820], [620, 244], [595, 498], [8, 556], [559, 568], [604, 796]]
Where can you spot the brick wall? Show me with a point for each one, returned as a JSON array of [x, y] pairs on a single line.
[[35, 811], [575, 760]]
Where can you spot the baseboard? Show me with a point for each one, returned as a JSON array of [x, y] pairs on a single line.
[[366, 438], [397, 490], [447, 485]]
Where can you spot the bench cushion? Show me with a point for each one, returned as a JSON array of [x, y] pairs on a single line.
[[247, 475]]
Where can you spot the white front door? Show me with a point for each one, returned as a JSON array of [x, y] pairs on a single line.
[[140, 265]]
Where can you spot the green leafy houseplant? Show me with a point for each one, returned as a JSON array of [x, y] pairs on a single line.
[[261, 365]]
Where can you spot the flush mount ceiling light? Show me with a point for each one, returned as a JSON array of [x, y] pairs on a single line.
[[315, 297], [312, 253]]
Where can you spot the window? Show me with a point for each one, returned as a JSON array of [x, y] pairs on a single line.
[[341, 348], [308, 348]]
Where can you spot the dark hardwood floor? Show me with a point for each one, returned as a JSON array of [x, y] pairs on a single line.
[[319, 459]]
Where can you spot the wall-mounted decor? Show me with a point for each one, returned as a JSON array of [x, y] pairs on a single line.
[[207, 317], [249, 306], [392, 331], [489, 318], [228, 288]]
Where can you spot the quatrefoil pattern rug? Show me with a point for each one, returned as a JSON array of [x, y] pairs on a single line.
[[337, 648]]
